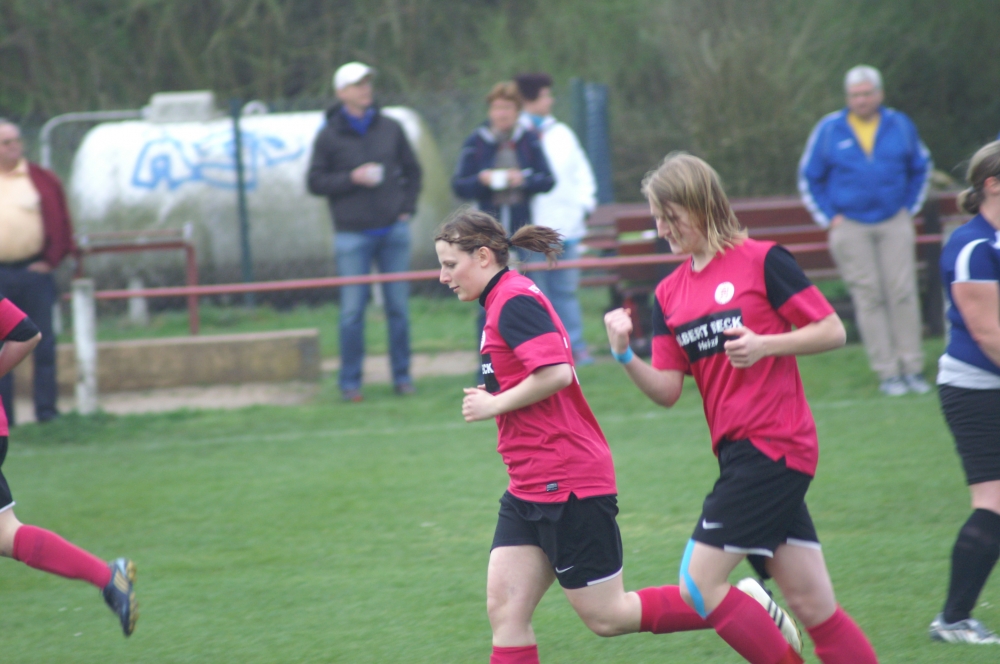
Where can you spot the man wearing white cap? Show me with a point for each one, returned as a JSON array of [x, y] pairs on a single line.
[[362, 162]]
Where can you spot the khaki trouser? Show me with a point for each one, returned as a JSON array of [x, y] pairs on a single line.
[[878, 263]]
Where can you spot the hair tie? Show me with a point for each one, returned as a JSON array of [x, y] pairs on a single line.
[[510, 243]]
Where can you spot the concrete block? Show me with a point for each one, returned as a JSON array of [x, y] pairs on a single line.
[[231, 359]]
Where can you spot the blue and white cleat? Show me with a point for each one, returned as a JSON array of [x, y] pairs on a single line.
[[969, 630], [120, 595]]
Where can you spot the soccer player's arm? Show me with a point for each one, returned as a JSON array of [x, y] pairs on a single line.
[[19, 334], [663, 380], [976, 294], [818, 328], [528, 329]]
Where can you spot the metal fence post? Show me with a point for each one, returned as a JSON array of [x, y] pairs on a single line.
[[85, 345]]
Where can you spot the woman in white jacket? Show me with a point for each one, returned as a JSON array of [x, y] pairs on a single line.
[[564, 208]]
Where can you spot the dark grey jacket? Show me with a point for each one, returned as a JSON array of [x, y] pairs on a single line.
[[338, 149]]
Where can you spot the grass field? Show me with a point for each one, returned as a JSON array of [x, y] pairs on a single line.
[[360, 533]]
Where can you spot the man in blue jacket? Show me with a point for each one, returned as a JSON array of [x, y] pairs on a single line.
[[864, 175]]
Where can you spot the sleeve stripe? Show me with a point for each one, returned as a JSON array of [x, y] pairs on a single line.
[[10, 316], [962, 262], [807, 155], [915, 210]]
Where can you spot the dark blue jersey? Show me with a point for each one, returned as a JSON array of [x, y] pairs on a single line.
[[972, 255]]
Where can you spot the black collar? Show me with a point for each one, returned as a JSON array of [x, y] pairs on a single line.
[[493, 282]]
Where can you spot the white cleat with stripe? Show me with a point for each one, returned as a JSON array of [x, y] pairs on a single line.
[[788, 628], [969, 630]]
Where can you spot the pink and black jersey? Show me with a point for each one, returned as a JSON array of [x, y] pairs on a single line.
[[554, 447], [757, 285], [14, 326]]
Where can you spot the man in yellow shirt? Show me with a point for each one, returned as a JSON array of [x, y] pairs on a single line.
[[35, 236], [864, 176]]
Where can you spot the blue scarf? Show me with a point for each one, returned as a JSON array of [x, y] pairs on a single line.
[[359, 125]]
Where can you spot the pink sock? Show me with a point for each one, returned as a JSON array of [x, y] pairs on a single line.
[[44, 550], [746, 626], [663, 612], [515, 655], [839, 640]]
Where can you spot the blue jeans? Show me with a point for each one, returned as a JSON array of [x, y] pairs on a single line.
[[35, 294], [354, 253], [560, 287]]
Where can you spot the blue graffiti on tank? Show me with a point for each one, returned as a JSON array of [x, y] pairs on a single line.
[[210, 161]]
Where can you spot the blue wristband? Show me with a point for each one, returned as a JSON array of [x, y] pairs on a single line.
[[625, 357]]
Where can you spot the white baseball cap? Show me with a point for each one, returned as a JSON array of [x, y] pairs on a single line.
[[350, 74]]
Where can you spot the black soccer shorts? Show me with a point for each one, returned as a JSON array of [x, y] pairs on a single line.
[[580, 537], [6, 500], [755, 506], [974, 419]]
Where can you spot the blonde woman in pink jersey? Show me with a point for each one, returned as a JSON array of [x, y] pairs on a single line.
[[734, 316]]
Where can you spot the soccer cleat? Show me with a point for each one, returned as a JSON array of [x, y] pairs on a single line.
[[788, 628], [915, 383], [120, 595], [969, 630], [893, 387]]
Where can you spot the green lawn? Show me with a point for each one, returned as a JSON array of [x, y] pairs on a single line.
[[360, 533]]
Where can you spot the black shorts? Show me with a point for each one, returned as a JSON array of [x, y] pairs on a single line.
[[755, 506], [6, 500], [579, 537], [974, 419]]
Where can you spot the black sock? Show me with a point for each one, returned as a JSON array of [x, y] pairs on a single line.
[[976, 551]]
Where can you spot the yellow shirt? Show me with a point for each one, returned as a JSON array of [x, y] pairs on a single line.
[[865, 130], [22, 234]]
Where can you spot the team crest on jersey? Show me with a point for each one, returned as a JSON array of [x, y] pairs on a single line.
[[724, 292], [703, 337]]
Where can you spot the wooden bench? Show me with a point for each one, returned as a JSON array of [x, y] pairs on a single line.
[[626, 229]]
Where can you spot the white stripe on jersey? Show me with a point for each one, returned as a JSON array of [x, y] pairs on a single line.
[[962, 262]]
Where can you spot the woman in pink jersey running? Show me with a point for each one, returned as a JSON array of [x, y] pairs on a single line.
[[36, 547], [557, 517], [726, 317]]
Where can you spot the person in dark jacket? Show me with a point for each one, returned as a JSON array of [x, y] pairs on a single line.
[[35, 237], [363, 163], [502, 165]]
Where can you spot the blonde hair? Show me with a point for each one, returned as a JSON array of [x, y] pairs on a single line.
[[469, 229], [687, 181], [505, 90], [984, 164]]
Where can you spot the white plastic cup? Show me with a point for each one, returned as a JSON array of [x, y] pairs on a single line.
[[376, 173], [499, 178]]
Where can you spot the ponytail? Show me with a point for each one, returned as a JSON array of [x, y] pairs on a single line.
[[470, 229], [969, 200], [540, 239], [984, 164]]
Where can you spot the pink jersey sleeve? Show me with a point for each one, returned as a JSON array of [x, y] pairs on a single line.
[[10, 316]]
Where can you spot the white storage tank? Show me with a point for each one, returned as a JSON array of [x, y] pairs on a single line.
[[147, 174]]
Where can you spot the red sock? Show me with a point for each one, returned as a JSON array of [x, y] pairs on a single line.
[[44, 550], [515, 655], [746, 626], [839, 640], [663, 612]]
